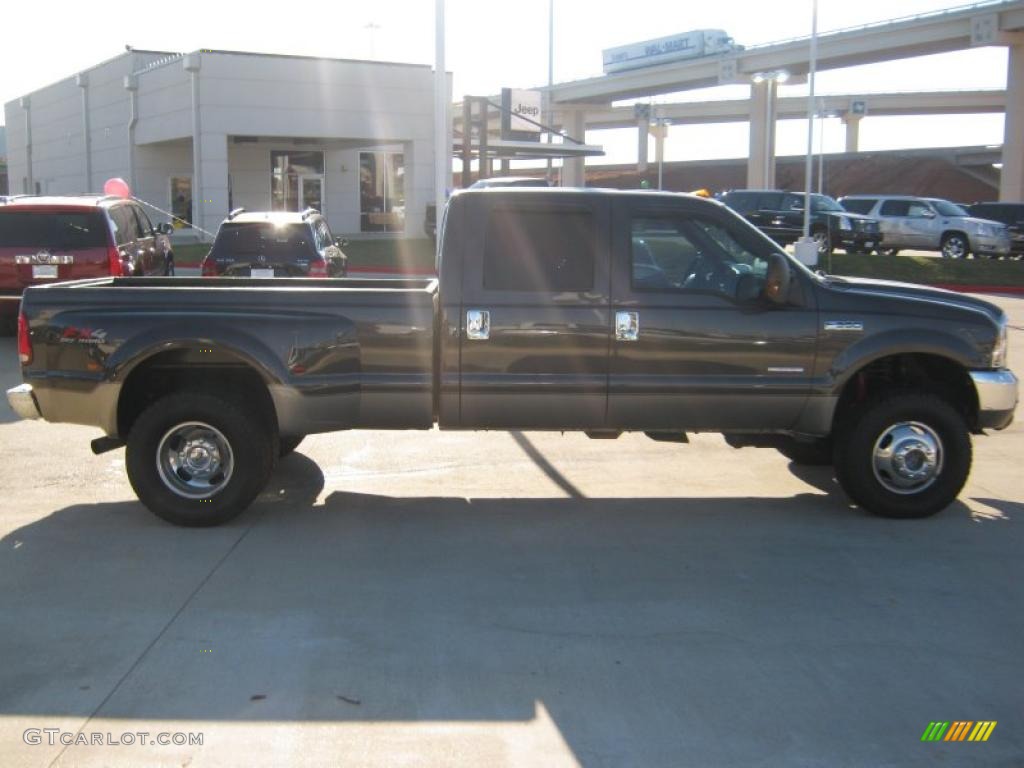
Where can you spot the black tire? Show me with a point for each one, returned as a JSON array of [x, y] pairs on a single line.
[[888, 251], [858, 251], [866, 427], [955, 246], [289, 444], [252, 445], [817, 453]]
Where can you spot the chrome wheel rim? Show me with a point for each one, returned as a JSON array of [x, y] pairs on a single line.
[[907, 457], [194, 460], [954, 248]]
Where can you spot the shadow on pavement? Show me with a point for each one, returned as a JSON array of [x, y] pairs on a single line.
[[648, 628]]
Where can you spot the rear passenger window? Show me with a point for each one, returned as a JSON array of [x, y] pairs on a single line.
[[126, 227], [859, 206], [771, 201], [895, 208], [539, 250], [741, 202]]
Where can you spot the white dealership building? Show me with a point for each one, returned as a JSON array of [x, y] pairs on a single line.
[[201, 133]]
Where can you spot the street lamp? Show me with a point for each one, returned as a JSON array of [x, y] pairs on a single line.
[[806, 249]]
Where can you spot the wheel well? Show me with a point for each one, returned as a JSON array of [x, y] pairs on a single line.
[[912, 373], [174, 370], [949, 232]]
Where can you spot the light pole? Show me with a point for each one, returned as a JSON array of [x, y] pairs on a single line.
[[806, 248], [442, 148]]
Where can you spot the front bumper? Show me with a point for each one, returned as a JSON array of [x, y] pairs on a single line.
[[991, 246], [997, 397], [846, 238], [23, 402]]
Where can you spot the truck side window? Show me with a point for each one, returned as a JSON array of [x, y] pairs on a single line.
[[690, 255], [539, 249]]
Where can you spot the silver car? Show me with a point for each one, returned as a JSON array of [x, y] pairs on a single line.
[[930, 224]]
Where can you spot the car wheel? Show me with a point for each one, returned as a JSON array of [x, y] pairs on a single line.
[[904, 456], [289, 444], [823, 241], [889, 251], [195, 459], [955, 246], [816, 453], [858, 251]]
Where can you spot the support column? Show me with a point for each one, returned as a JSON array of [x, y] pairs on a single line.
[[131, 85], [1011, 181], [26, 105], [761, 164], [573, 171], [191, 63], [82, 80], [213, 165], [643, 127], [852, 123]]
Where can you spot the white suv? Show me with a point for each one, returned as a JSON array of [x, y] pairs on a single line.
[[930, 224]]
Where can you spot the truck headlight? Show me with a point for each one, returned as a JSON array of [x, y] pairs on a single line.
[[845, 223], [986, 230], [1000, 348]]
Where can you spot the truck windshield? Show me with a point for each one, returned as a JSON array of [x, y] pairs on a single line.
[[825, 203], [274, 241], [43, 229], [946, 208]]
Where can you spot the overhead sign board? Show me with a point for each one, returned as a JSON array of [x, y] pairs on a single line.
[[688, 45], [520, 114]]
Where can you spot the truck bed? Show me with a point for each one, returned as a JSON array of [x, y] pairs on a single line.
[[335, 354]]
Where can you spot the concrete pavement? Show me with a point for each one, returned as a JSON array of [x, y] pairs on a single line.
[[507, 599]]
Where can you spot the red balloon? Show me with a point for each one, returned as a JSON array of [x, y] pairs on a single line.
[[118, 188]]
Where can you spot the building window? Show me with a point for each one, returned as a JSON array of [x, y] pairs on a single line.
[[381, 192], [296, 180], [181, 201]]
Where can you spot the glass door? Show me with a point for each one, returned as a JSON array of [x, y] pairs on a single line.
[[311, 191]]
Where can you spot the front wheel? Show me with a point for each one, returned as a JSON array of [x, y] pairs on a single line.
[[904, 456], [955, 246], [195, 459]]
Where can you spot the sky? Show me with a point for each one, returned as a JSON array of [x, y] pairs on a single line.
[[493, 44]]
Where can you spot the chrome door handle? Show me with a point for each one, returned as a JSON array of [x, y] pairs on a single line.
[[478, 324], [627, 326]]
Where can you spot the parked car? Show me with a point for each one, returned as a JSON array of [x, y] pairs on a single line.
[[780, 215], [548, 313], [275, 244], [430, 216], [43, 239], [1011, 215], [930, 224]]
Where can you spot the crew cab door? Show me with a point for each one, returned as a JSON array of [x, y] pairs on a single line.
[[534, 322], [695, 345]]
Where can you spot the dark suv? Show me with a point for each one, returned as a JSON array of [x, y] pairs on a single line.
[[1010, 214], [780, 215], [43, 239], [275, 244]]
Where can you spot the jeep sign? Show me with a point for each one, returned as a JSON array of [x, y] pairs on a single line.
[[516, 105]]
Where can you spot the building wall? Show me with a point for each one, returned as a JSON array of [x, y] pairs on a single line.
[[334, 105], [322, 102], [58, 138]]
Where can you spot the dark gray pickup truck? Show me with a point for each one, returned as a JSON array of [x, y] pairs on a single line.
[[587, 310]]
